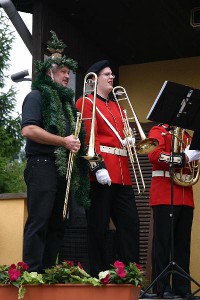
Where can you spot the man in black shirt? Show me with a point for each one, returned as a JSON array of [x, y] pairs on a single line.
[[48, 123]]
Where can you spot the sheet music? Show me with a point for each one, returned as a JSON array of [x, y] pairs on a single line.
[[157, 98]]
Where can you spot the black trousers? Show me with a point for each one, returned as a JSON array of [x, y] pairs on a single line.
[[44, 228], [117, 202], [161, 247]]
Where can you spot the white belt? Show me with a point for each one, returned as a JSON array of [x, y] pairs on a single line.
[[160, 173], [115, 151]]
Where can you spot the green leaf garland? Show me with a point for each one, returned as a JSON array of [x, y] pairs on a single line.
[[57, 106]]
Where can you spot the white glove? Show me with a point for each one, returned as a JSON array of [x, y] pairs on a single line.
[[192, 154], [103, 177], [128, 140]]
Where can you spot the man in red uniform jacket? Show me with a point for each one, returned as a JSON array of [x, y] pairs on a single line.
[[111, 191], [162, 200]]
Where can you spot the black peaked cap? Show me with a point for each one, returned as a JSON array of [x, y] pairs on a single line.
[[98, 66]]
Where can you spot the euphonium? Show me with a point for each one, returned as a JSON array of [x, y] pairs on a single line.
[[192, 169]]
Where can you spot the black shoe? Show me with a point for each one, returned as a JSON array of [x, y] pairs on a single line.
[[169, 295], [189, 296], [147, 295]]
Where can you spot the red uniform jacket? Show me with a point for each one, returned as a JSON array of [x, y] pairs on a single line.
[[117, 166], [160, 189]]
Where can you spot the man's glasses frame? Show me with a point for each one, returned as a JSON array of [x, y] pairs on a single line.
[[108, 74]]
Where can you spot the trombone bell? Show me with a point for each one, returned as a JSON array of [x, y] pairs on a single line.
[[92, 158], [146, 146]]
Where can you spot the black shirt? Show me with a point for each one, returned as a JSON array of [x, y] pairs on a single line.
[[32, 115]]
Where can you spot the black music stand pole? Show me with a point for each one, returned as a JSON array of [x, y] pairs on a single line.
[[182, 104]]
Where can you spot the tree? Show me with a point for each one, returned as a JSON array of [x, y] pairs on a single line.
[[11, 140]]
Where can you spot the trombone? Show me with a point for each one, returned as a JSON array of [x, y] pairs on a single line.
[[70, 165], [144, 146], [90, 86]]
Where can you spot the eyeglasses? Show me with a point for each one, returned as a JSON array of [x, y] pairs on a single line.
[[108, 74]]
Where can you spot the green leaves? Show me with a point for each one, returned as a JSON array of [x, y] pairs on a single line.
[[67, 272], [55, 43], [4, 279], [11, 176], [31, 278], [10, 131], [27, 278], [121, 274], [6, 40], [11, 140]]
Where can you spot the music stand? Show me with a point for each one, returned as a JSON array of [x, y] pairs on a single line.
[[176, 105]]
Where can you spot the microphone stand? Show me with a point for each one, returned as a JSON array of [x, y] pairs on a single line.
[[172, 267]]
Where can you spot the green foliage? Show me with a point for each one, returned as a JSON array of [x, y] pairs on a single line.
[[42, 67], [6, 40], [56, 47], [10, 127], [55, 44], [18, 276], [68, 272], [11, 176], [119, 273], [11, 140]]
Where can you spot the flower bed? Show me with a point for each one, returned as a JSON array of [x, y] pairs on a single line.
[[120, 281]]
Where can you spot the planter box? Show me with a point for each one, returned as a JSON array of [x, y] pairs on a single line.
[[72, 292]]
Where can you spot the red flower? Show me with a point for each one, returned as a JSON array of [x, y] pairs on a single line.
[[22, 265], [13, 266], [106, 279], [119, 265], [70, 263], [138, 266], [79, 264], [121, 272], [14, 274]]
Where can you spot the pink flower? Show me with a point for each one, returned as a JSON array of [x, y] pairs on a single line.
[[22, 265], [119, 265], [121, 272], [138, 266], [13, 266], [14, 274], [106, 279]]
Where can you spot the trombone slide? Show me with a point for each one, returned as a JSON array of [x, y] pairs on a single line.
[[70, 165]]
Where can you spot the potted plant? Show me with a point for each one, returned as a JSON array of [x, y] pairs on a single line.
[[121, 274], [70, 281]]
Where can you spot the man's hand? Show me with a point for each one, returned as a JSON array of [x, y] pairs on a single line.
[[128, 140], [71, 143], [103, 177], [192, 154]]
